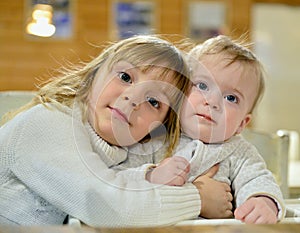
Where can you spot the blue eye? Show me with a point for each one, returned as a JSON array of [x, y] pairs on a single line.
[[231, 98], [153, 102], [125, 77], [202, 86]]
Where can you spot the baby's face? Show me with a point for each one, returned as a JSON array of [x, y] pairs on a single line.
[[220, 100]]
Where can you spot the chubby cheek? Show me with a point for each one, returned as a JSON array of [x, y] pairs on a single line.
[[188, 120], [231, 126]]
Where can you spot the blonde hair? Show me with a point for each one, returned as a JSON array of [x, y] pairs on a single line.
[[77, 82], [238, 51]]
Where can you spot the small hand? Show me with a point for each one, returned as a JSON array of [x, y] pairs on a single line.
[[258, 210], [171, 171], [215, 196]]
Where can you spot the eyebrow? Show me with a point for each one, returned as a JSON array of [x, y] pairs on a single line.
[[239, 92], [201, 77]]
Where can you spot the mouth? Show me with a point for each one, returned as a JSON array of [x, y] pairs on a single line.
[[206, 117], [117, 113]]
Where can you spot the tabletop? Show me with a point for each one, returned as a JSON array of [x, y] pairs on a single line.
[[235, 228], [287, 225]]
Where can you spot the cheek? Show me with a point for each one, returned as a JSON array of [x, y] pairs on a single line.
[[189, 105], [161, 113], [232, 122], [152, 119]]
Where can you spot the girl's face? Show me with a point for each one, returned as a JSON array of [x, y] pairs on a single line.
[[125, 103], [219, 103]]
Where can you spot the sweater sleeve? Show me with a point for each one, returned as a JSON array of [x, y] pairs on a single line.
[[55, 159], [250, 177]]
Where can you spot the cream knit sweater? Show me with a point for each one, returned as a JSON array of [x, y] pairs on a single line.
[[52, 165]]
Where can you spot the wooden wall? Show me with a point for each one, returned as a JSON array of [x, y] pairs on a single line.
[[24, 61]]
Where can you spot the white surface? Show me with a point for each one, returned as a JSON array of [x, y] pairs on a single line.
[[276, 36], [291, 204], [209, 222], [227, 221], [294, 174]]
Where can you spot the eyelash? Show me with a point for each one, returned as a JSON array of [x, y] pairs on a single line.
[[121, 76], [156, 104], [236, 99]]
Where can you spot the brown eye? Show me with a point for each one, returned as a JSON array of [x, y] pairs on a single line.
[[153, 102], [125, 77]]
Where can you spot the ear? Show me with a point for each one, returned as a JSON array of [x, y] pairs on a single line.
[[244, 123]]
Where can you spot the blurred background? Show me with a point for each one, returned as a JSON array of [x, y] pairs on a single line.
[[38, 36]]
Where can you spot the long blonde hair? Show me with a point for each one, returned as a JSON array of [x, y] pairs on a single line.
[[77, 81]]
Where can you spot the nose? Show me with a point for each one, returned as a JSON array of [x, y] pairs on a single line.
[[135, 105], [213, 100]]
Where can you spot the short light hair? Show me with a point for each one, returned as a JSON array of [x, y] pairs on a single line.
[[237, 51]]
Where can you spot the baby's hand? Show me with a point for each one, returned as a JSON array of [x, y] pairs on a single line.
[[258, 210], [171, 171]]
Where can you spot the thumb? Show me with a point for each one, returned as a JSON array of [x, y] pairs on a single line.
[[212, 171]]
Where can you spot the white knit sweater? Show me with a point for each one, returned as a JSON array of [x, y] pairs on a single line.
[[241, 166], [52, 165]]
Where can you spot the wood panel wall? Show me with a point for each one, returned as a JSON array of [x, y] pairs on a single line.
[[25, 62]]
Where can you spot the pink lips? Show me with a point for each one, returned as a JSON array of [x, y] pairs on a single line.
[[206, 117], [119, 114]]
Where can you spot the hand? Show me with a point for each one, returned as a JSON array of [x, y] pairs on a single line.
[[215, 196], [259, 210], [171, 171]]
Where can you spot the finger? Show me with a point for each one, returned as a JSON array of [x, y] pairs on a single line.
[[262, 220], [228, 214], [179, 158], [230, 206], [227, 188], [183, 174], [182, 163], [252, 217], [177, 181], [212, 171], [243, 211], [229, 197]]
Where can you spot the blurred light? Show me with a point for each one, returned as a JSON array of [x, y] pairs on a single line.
[[41, 23]]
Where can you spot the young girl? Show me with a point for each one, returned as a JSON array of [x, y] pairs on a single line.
[[56, 153]]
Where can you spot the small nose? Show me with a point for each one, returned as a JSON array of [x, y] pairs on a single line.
[[133, 103], [213, 101]]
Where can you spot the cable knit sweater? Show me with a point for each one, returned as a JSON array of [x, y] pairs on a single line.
[[53, 165], [241, 166]]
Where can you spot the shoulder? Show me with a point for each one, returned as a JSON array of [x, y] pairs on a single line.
[[245, 151], [42, 124], [240, 143]]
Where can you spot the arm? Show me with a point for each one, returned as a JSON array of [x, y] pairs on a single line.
[[216, 196], [171, 171], [252, 179], [61, 166]]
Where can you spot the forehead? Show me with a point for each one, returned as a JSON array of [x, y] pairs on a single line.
[[158, 79], [222, 67]]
